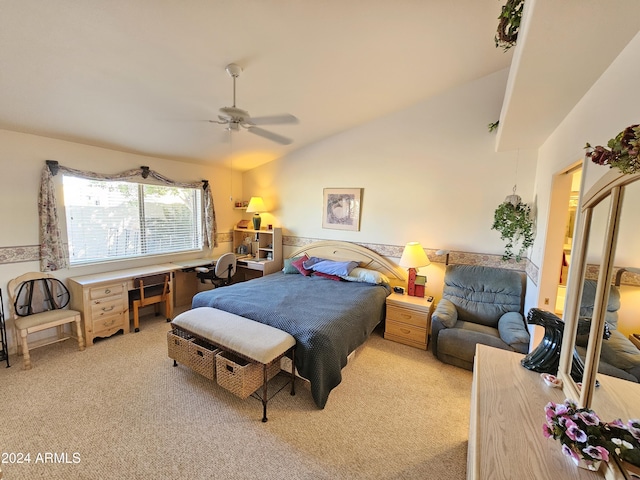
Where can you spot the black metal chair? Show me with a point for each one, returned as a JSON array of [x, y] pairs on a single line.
[[222, 274]]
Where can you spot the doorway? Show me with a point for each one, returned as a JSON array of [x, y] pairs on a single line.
[[570, 225], [563, 207]]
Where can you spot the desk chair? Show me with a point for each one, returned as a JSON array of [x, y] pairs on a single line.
[[37, 303], [221, 274], [150, 290]]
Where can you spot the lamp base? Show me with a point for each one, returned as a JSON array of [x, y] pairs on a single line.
[[411, 284], [256, 221]]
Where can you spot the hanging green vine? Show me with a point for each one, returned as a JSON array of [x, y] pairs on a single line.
[[513, 221], [509, 24]]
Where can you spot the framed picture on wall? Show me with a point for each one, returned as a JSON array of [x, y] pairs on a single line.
[[341, 208]]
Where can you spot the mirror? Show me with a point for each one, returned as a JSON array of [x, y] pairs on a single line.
[[606, 242], [594, 246]]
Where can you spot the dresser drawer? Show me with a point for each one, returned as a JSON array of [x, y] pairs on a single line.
[[407, 316], [108, 325], [411, 333], [115, 290], [107, 307]]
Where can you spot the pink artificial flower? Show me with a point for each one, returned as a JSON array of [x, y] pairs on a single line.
[[618, 423], [634, 428], [575, 433], [597, 453], [546, 431], [561, 409], [570, 453], [589, 418]]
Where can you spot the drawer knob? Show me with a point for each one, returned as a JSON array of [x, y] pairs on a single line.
[[406, 315], [107, 291], [405, 331], [108, 309], [108, 324]]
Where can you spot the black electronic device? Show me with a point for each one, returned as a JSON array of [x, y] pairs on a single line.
[[399, 290]]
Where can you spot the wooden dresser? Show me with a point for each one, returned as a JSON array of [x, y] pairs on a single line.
[[507, 414], [105, 308]]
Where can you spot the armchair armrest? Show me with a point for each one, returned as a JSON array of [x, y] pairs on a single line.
[[446, 313], [513, 331]]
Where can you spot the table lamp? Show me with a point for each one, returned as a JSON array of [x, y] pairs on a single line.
[[413, 257], [256, 205]]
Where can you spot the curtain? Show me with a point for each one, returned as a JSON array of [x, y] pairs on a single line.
[[54, 255]]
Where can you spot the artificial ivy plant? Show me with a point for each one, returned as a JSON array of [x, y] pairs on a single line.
[[622, 153], [513, 220], [509, 25]]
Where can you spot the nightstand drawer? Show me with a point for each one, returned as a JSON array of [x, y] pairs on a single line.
[[407, 316], [404, 333]]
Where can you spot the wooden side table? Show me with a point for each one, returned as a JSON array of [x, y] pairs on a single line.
[[408, 320]]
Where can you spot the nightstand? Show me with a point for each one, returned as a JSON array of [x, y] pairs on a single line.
[[408, 320]]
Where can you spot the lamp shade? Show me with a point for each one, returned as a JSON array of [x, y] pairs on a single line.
[[413, 256], [256, 205]]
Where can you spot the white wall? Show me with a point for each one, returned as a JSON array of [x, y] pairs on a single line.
[[612, 104], [430, 173]]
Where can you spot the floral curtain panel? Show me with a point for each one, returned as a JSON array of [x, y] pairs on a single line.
[[54, 255]]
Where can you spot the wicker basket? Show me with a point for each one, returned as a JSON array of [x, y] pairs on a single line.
[[178, 346], [240, 376], [202, 358]]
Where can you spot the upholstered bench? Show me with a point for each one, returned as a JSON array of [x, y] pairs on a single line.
[[253, 341]]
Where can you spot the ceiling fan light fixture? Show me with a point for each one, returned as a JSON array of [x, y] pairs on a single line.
[[234, 70], [233, 117]]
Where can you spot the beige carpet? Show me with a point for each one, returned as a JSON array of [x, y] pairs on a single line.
[[120, 410]]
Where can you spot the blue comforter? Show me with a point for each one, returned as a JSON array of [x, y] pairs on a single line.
[[328, 319]]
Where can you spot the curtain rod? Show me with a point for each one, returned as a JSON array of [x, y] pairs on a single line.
[[53, 166]]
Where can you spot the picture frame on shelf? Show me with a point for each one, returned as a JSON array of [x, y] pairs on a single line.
[[341, 208]]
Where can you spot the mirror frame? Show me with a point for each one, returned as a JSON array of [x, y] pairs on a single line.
[[611, 185]]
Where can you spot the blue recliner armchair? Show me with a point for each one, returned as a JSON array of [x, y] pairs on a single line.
[[479, 305]]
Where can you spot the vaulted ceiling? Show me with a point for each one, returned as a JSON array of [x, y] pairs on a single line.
[[144, 76]]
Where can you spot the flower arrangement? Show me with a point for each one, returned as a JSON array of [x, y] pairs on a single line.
[[579, 430], [622, 151]]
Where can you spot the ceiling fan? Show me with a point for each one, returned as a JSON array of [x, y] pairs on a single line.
[[234, 117]]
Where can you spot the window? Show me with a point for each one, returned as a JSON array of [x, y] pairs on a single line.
[[110, 220]]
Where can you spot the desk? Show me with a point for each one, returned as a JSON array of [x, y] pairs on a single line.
[[103, 298]]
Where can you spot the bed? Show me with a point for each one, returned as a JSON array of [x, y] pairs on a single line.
[[329, 319]]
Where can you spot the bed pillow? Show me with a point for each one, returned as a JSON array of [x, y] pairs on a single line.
[[326, 275], [299, 265], [366, 275], [332, 267], [288, 268]]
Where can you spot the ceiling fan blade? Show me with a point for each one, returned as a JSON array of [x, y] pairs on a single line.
[[221, 120], [269, 135], [274, 119]]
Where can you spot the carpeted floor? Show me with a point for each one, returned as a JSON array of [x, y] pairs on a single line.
[[121, 410]]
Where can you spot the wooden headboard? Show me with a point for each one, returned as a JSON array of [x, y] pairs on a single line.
[[337, 250]]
